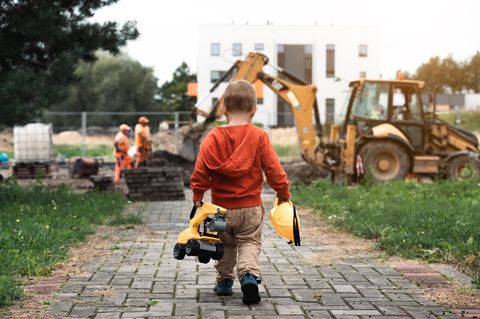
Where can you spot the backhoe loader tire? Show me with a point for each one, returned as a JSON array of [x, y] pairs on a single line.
[[203, 259], [463, 167], [179, 251], [385, 160]]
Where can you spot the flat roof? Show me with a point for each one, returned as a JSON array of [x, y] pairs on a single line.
[[421, 84]]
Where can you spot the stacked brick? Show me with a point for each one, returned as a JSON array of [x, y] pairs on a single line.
[[155, 183]]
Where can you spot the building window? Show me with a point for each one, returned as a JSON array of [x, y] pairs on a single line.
[[214, 101], [237, 49], [258, 47], [215, 49], [330, 110], [363, 50], [259, 100], [330, 61], [363, 75], [216, 75]]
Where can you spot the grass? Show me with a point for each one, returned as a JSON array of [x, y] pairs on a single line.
[[76, 151], [287, 151], [470, 120], [38, 225], [437, 222]]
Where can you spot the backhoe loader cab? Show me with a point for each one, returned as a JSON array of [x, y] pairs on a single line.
[[395, 135]]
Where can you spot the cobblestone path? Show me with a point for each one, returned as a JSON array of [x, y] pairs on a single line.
[[141, 279]]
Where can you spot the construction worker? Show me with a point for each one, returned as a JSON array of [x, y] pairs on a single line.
[[120, 152], [142, 141]]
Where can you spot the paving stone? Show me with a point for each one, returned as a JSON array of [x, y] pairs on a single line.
[[141, 279], [289, 310]]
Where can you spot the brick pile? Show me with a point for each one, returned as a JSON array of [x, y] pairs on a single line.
[[102, 183], [155, 183], [32, 170]]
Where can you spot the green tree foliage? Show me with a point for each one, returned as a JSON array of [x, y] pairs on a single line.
[[472, 73], [172, 94], [111, 84], [41, 43], [441, 75]]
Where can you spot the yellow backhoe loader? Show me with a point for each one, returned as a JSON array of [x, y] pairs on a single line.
[[387, 131]]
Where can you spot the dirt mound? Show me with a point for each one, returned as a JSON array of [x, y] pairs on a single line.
[[75, 138], [164, 141], [300, 171]]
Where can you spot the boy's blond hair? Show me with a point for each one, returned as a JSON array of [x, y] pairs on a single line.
[[239, 96]]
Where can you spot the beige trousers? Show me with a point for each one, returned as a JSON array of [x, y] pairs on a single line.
[[242, 242]]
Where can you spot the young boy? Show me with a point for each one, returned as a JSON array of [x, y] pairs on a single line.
[[230, 163]]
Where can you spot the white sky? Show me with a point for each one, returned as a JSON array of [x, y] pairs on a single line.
[[410, 31]]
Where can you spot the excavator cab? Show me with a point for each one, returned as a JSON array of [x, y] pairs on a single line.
[[374, 102], [395, 136]]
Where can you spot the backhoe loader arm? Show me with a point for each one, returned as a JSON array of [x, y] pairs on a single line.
[[299, 95]]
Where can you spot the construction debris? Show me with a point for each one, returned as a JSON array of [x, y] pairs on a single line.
[[102, 183], [84, 167], [155, 183]]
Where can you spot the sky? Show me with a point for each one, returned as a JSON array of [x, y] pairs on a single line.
[[410, 31]]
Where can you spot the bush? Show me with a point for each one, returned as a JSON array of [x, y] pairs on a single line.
[[436, 222], [9, 291], [38, 225], [76, 151]]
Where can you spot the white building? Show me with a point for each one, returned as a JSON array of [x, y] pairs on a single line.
[[327, 56]]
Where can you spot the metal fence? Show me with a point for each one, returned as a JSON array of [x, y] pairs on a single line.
[[90, 124]]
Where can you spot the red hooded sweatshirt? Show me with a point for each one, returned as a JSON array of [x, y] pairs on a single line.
[[230, 162]]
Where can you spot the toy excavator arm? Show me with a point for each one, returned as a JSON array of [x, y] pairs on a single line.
[[299, 95]]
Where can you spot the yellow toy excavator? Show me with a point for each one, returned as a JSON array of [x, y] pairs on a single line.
[[201, 238]]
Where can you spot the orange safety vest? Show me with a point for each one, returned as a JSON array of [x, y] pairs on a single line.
[[121, 145], [142, 136]]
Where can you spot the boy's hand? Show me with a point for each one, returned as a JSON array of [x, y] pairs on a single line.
[[197, 203]]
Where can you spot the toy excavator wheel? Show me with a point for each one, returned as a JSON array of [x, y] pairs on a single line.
[[203, 259], [385, 160], [193, 248], [219, 253], [463, 167], [179, 251]]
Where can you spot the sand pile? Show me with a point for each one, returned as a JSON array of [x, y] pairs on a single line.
[[75, 138], [284, 136]]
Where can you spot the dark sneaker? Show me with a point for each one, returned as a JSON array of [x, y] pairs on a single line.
[[224, 287], [250, 289]]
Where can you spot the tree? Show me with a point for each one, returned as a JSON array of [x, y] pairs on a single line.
[[472, 73], [172, 94], [111, 84], [431, 73], [41, 43]]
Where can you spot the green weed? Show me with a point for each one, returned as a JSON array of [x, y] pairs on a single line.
[[287, 151], [67, 150], [436, 222], [38, 225], [9, 290]]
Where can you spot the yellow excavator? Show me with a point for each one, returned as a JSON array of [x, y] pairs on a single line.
[[387, 131]]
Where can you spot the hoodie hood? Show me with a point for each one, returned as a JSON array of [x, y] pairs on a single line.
[[231, 150]]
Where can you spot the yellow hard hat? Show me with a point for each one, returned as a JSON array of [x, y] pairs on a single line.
[[286, 222]]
